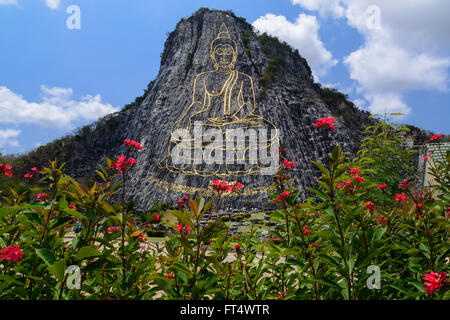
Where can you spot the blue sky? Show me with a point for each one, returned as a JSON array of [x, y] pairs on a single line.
[[54, 79]]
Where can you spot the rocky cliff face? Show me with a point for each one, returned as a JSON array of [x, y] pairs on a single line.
[[285, 95]]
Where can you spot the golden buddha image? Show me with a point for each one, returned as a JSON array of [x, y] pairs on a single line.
[[220, 133]]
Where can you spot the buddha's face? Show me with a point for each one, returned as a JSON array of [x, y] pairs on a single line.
[[223, 55]]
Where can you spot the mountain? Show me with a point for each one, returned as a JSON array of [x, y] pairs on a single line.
[[217, 70]]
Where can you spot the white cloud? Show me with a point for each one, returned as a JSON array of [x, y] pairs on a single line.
[[6, 2], [408, 52], [8, 138], [57, 108], [302, 35], [324, 7], [52, 4]]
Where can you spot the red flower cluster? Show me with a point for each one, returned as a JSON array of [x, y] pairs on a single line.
[[288, 164], [132, 144], [121, 164], [382, 186], [180, 202], [400, 197], [382, 220], [347, 184], [325, 123], [11, 253], [156, 217], [140, 237], [181, 229], [281, 197], [358, 178], [404, 184], [436, 136], [370, 205], [435, 281], [305, 230], [28, 176], [417, 210], [224, 186], [4, 170], [43, 196], [169, 275], [113, 229], [354, 170], [315, 244]]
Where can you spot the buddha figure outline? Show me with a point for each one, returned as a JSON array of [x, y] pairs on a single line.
[[223, 107]]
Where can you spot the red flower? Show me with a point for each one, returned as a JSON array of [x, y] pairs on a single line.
[[340, 185], [169, 275], [401, 197], [358, 178], [436, 136], [71, 206], [282, 196], [43, 196], [156, 217], [404, 184], [4, 170], [314, 214], [28, 176], [180, 202], [417, 211], [325, 123], [11, 253], [237, 246], [382, 220], [382, 186], [370, 205], [354, 170], [426, 157], [34, 169], [121, 165], [305, 230], [132, 144], [224, 186], [113, 229], [179, 227], [238, 185], [435, 281], [288, 164]]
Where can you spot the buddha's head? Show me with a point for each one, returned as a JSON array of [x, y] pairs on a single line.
[[223, 50]]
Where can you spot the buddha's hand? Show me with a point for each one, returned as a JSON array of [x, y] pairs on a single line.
[[224, 120]]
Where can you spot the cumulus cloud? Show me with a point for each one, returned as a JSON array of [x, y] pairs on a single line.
[[8, 138], [302, 35], [57, 109], [407, 51], [52, 4]]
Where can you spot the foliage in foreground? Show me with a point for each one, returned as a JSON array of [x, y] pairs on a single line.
[[366, 235]]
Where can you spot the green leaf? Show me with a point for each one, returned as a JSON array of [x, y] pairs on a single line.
[[320, 193], [184, 219], [326, 282], [46, 255], [87, 252], [425, 250], [58, 269]]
